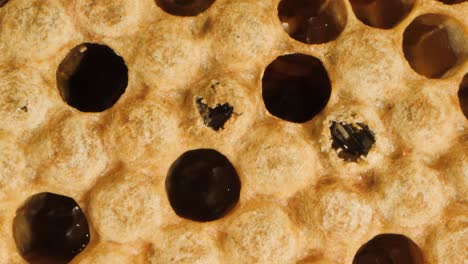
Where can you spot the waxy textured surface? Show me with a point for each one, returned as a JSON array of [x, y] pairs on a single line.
[[299, 202]]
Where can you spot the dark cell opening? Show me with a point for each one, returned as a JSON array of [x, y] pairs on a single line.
[[296, 87], [202, 185], [351, 140], [452, 2], [389, 249], [313, 21], [92, 77], [184, 7], [463, 95], [50, 228], [3, 2], [216, 117], [383, 14], [428, 47]]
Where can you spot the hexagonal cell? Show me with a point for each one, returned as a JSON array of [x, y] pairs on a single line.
[[295, 87], [384, 14], [463, 95], [50, 228], [413, 197], [68, 154], [447, 241], [92, 77], [389, 248], [425, 115], [312, 21], [187, 244], [278, 165], [162, 133], [261, 234], [434, 44], [166, 61], [202, 185], [111, 18], [242, 35], [332, 214], [125, 207], [24, 98], [34, 30], [184, 7]]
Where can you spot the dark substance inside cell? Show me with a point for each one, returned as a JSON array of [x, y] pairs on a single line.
[[389, 249], [184, 7], [92, 77], [463, 95], [202, 185], [3, 2], [352, 140], [452, 2], [428, 47], [216, 117], [313, 21], [295, 87], [50, 228], [383, 14]]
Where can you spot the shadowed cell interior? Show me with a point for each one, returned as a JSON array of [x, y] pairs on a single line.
[[428, 46], [463, 95], [295, 87], [384, 14], [50, 228], [452, 2], [202, 185], [389, 249], [312, 21], [92, 77], [184, 7]]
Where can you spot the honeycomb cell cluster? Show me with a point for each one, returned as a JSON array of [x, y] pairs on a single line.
[[219, 131]]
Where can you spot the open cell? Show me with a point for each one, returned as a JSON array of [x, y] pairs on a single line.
[[463, 95], [312, 21], [389, 249], [452, 2], [383, 14], [92, 77], [184, 7], [50, 228], [202, 185], [434, 44], [295, 87]]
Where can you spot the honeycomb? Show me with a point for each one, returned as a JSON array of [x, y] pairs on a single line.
[[345, 122]]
